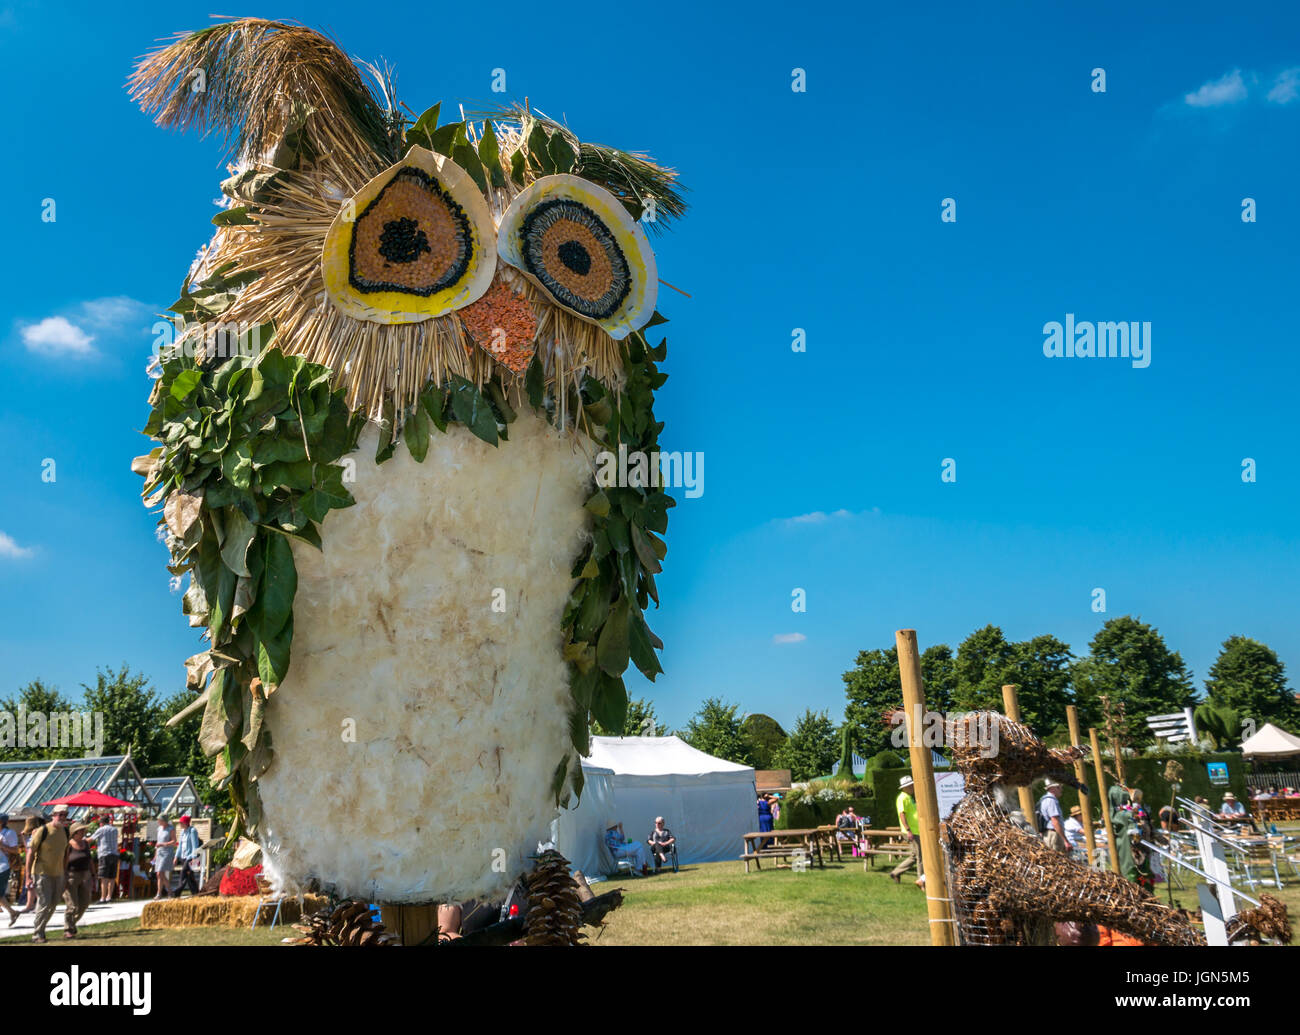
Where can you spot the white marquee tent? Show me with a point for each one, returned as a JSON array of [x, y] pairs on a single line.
[[708, 803], [1271, 742]]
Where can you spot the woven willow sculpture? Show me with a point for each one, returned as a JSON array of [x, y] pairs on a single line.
[[1004, 881], [397, 366]]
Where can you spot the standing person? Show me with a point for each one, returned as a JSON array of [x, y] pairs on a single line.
[[105, 838], [8, 856], [47, 861], [29, 889], [765, 820], [79, 880], [905, 805], [187, 853], [163, 857], [1050, 821]]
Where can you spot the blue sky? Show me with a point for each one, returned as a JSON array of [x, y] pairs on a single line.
[[817, 210]]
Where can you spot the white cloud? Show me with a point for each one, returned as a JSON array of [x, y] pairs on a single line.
[[1286, 87], [113, 312], [820, 517], [11, 550], [789, 638], [57, 336], [73, 335], [1229, 90]]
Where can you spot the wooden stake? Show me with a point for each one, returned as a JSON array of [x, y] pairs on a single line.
[[1081, 774], [1011, 705], [1105, 801], [927, 801], [414, 925]]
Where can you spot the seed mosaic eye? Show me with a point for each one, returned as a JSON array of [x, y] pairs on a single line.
[[577, 242], [415, 243]]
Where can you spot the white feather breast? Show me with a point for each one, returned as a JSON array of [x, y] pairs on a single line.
[[419, 728]]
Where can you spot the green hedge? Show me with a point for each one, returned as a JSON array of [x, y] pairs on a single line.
[[803, 816], [1148, 774], [1145, 773]]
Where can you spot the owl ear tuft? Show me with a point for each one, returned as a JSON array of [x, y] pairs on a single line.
[[252, 79]]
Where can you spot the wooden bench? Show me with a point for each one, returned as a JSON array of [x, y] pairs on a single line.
[[780, 844], [893, 846]]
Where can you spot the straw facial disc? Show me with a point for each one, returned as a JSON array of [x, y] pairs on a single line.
[[578, 243], [416, 242]]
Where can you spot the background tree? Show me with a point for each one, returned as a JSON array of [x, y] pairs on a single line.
[[872, 687], [640, 721], [1129, 660], [134, 719], [1248, 677], [181, 754], [811, 749], [715, 730], [764, 736], [1043, 675], [1221, 725], [986, 660], [35, 697]]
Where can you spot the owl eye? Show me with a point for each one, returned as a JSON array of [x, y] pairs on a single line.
[[578, 243], [416, 242]]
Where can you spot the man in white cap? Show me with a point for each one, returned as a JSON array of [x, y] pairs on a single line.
[[46, 865], [911, 826], [1051, 823], [621, 848]]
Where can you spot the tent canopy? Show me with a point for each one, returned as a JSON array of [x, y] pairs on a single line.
[[1271, 742], [708, 803], [656, 756]]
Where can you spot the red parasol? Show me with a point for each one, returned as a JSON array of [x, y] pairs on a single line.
[[93, 799]]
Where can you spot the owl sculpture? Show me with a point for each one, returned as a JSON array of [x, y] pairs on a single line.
[[394, 370]]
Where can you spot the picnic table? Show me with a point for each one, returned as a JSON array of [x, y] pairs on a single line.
[[893, 845], [778, 844], [830, 833]]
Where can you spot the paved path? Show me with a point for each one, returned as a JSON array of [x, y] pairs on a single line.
[[96, 914]]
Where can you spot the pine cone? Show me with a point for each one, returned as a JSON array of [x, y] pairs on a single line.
[[555, 910], [348, 923]]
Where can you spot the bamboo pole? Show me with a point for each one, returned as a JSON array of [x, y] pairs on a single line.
[[1081, 774], [1105, 801], [927, 801], [1011, 706]]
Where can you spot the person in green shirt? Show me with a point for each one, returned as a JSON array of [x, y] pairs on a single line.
[[906, 806]]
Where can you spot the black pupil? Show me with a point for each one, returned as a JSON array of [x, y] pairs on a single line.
[[403, 241], [575, 256]]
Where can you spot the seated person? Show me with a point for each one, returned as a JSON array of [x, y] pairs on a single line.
[[845, 823], [1074, 828], [1234, 811], [1168, 818], [661, 840], [621, 848]]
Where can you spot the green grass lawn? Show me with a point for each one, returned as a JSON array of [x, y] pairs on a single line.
[[717, 904]]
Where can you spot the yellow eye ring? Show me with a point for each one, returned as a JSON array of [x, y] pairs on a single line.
[[577, 242], [415, 242]]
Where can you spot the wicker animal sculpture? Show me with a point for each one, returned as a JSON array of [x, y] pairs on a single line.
[[1003, 880], [398, 371]]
